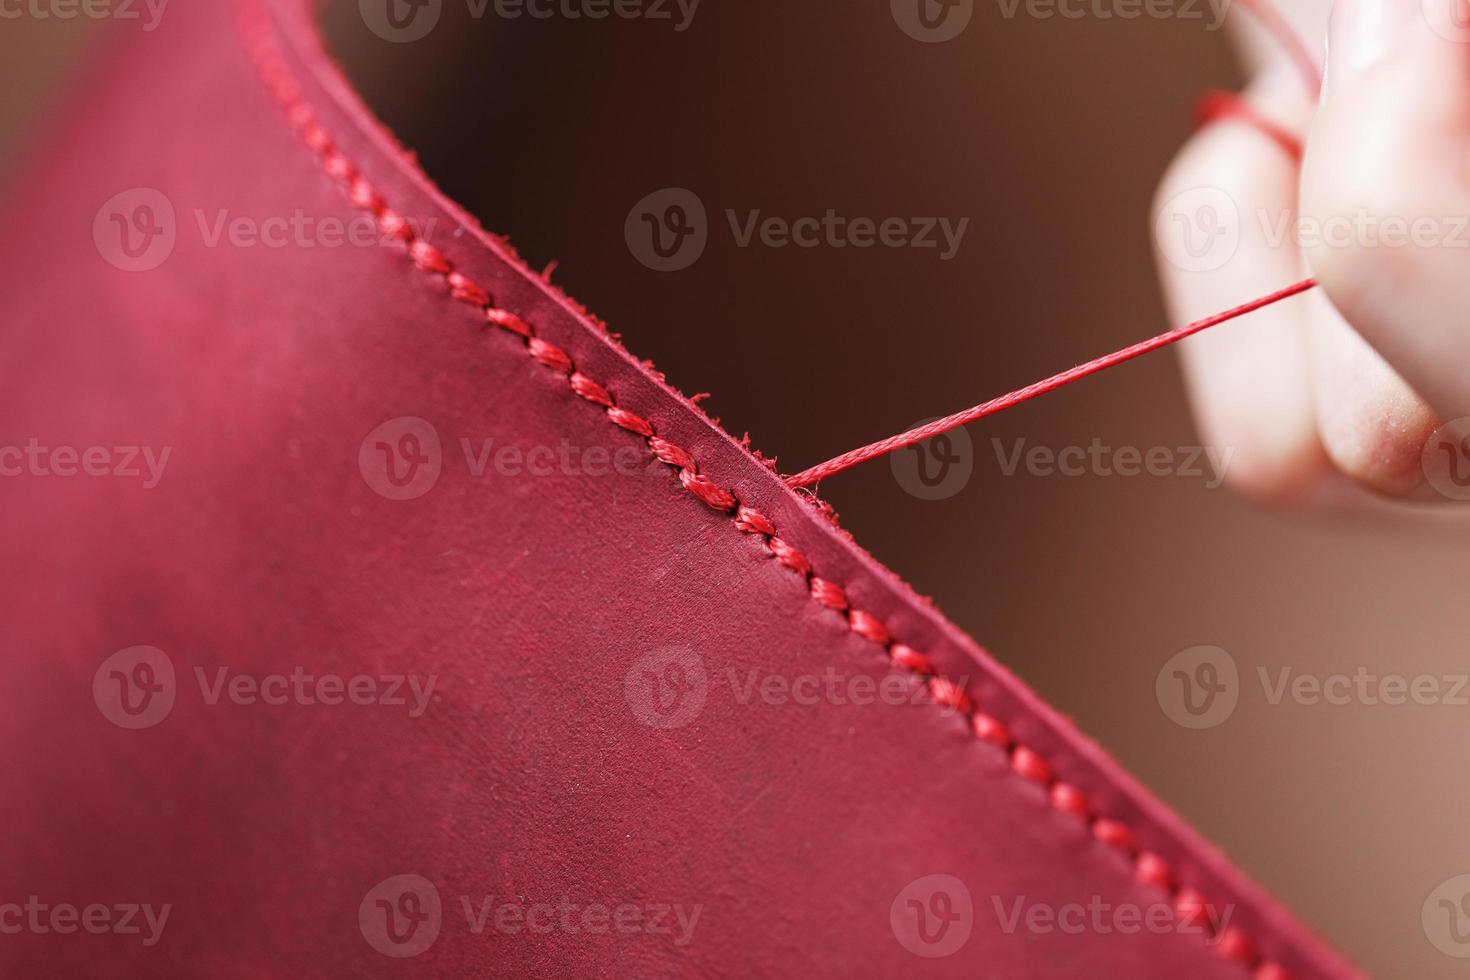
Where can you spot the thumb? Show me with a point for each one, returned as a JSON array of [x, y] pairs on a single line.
[[1385, 194]]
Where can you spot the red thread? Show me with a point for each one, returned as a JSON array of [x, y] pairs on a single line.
[[987, 729], [789, 556], [1215, 105], [1070, 799], [508, 320], [1192, 908], [946, 693], [1116, 834], [828, 594], [910, 659], [754, 522], [1063, 796], [867, 626], [1234, 944], [1030, 765], [904, 439], [1153, 870]]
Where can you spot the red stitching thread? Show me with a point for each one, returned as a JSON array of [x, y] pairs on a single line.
[[1149, 868], [1216, 105]]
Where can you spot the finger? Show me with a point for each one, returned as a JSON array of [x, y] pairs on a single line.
[[1386, 167], [1373, 426], [1249, 381]]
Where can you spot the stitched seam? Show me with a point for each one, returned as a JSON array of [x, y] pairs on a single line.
[[1149, 868]]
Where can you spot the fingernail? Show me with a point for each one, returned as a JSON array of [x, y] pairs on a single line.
[[1364, 32]]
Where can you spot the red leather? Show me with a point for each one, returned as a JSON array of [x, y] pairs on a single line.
[[796, 830]]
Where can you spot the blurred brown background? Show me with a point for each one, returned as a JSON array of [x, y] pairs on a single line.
[[1049, 135]]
